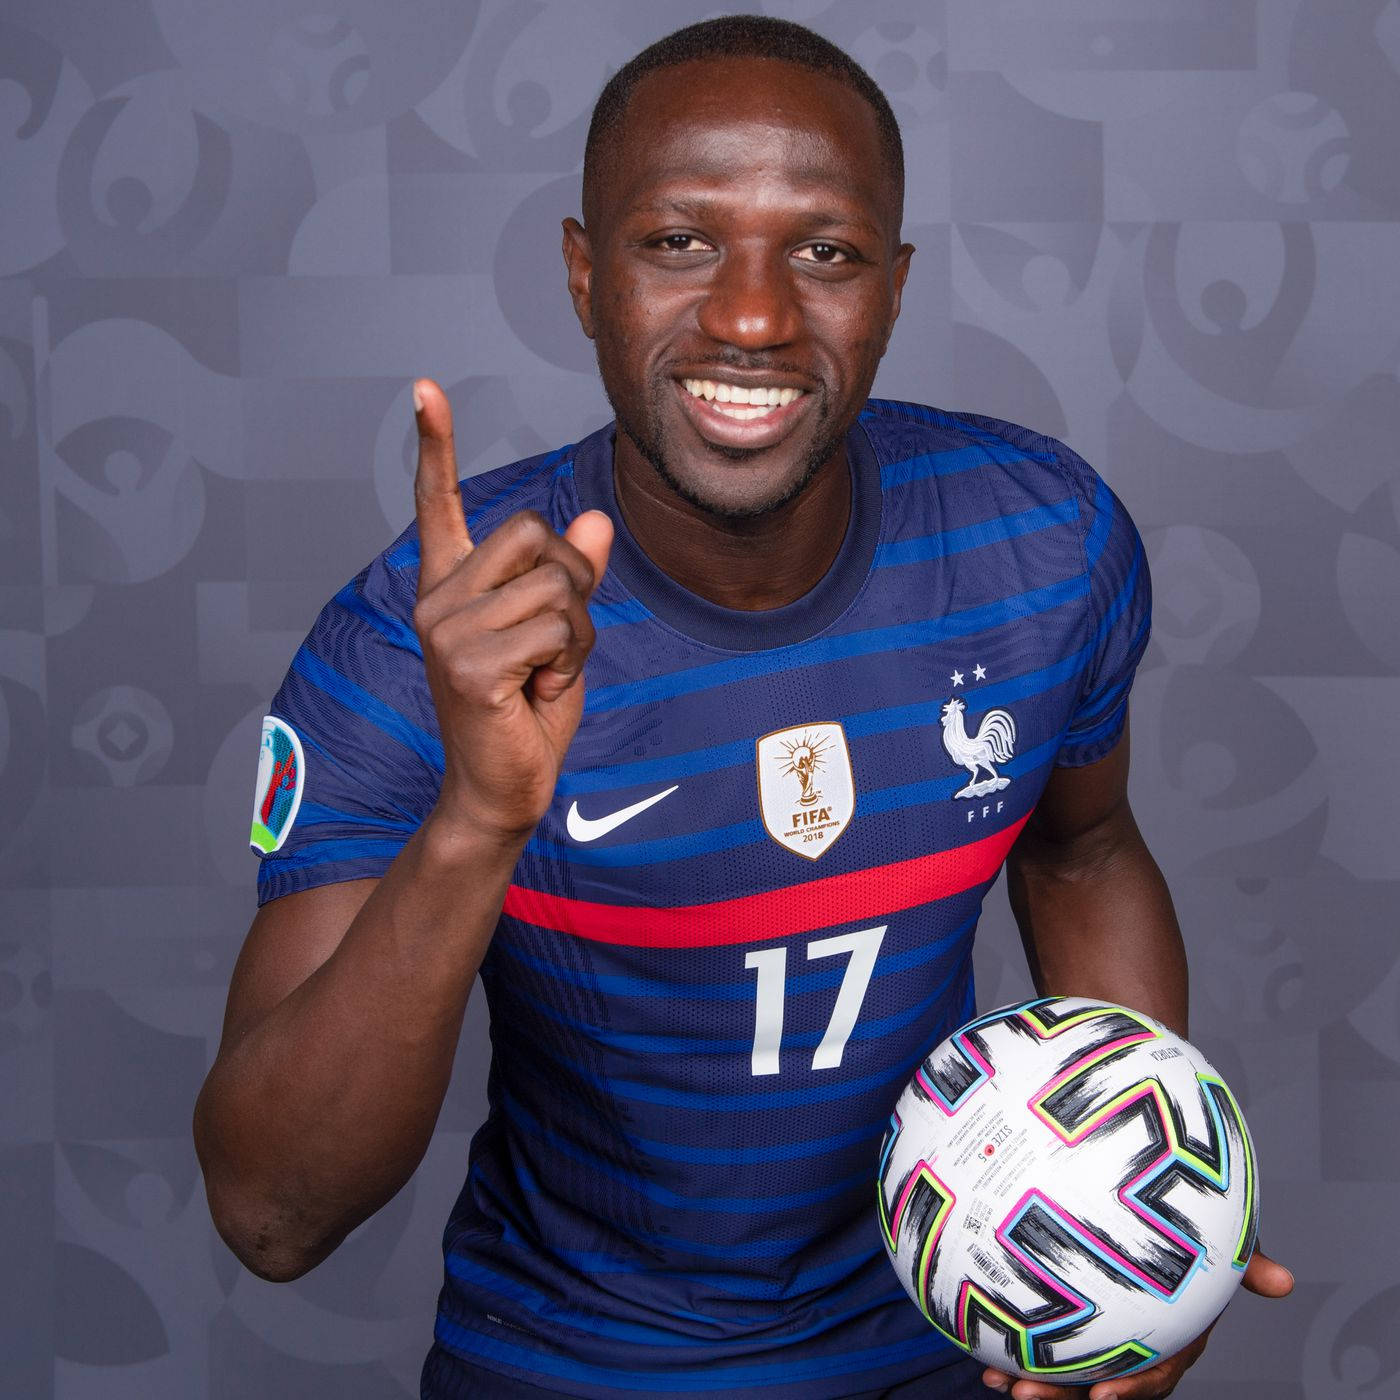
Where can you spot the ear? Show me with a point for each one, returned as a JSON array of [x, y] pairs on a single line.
[[578, 258], [901, 273]]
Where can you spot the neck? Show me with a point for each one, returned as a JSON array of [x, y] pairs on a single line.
[[749, 563]]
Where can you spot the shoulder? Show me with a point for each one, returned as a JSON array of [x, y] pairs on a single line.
[[895, 416], [1033, 461], [895, 424]]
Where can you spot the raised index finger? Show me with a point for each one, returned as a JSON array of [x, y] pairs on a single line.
[[443, 541]]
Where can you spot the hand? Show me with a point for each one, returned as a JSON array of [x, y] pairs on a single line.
[[505, 632], [1262, 1276]]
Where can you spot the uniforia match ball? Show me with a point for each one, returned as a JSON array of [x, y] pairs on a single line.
[[1068, 1190]]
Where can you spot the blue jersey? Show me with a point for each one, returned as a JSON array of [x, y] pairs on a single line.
[[748, 912]]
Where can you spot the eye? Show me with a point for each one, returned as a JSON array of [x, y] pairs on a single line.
[[675, 243], [824, 254]]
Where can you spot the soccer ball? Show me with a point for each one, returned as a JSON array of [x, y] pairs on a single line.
[[1068, 1190]]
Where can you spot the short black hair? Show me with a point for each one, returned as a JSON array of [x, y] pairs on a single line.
[[737, 36]]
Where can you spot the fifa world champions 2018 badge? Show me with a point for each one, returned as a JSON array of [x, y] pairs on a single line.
[[281, 777], [806, 790]]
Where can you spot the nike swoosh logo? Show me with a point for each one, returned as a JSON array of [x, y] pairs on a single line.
[[584, 829]]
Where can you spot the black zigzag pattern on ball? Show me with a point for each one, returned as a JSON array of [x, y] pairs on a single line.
[[989, 1310], [1095, 1033], [1083, 1095], [1164, 1260], [1045, 1238], [955, 1071], [922, 1208], [1181, 1174], [952, 1069], [952, 1073]]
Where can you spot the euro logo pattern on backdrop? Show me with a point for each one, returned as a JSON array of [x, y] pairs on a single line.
[[234, 233]]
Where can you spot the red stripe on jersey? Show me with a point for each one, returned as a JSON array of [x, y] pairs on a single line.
[[755, 918]]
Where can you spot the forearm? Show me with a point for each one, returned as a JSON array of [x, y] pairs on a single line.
[[1097, 920], [318, 1113]]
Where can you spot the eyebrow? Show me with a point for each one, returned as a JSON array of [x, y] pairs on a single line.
[[701, 208]]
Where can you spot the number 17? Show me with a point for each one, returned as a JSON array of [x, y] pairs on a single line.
[[863, 946]]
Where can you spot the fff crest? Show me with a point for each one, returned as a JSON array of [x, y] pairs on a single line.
[[806, 791], [993, 742]]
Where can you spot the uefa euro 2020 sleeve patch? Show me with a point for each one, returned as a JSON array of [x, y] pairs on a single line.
[[281, 777]]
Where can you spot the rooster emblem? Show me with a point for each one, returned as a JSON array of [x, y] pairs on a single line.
[[993, 743]]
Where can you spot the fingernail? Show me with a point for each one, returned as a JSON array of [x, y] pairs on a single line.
[[417, 399]]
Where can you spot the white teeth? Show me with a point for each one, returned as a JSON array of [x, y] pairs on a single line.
[[761, 400]]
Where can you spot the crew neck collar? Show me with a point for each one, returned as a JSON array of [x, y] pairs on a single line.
[[738, 629]]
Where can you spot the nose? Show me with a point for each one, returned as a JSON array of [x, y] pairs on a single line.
[[751, 302]]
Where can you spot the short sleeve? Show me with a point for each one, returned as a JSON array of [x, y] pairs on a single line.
[[351, 761], [1120, 616]]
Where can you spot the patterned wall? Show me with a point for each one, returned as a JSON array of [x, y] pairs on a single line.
[[230, 233]]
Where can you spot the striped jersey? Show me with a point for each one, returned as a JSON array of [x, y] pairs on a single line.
[[749, 911]]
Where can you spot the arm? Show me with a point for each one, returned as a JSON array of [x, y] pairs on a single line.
[[342, 1022], [347, 1001], [1094, 912], [1096, 920]]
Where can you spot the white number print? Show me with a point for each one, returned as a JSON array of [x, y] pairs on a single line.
[[768, 1007], [862, 947]]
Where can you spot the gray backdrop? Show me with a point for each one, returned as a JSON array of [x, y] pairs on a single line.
[[231, 231]]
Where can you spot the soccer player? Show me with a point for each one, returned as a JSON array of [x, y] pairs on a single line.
[[700, 741]]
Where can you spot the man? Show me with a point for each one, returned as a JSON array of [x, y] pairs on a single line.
[[665, 737]]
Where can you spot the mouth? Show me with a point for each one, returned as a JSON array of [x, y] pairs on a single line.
[[738, 415]]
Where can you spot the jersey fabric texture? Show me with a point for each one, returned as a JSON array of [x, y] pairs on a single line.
[[701, 1013], [448, 1375]]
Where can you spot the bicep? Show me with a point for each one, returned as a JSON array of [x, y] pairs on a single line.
[[289, 939], [1080, 808]]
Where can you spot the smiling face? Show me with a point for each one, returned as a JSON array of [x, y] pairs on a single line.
[[740, 277]]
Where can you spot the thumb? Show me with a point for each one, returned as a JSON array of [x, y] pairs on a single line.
[[592, 535], [1267, 1277]]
